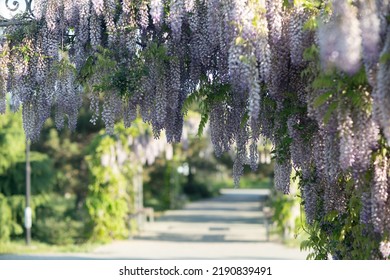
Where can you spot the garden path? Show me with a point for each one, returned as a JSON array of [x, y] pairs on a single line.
[[230, 226]]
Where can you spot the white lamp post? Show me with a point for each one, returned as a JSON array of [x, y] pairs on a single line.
[[27, 211]]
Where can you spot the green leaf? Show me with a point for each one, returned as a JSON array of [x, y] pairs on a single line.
[[203, 121], [332, 107], [384, 58], [311, 24], [305, 244], [189, 101], [310, 53], [86, 70], [321, 99], [240, 41], [324, 81], [244, 120], [311, 256]]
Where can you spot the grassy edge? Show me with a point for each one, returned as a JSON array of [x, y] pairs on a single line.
[[19, 247]]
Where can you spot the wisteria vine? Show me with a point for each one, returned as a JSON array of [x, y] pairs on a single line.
[[311, 76]]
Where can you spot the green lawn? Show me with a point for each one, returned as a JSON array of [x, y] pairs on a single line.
[[246, 182], [19, 247]]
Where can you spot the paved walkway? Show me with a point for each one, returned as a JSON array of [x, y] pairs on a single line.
[[230, 226]]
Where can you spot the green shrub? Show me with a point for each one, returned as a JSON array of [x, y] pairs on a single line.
[[13, 180], [17, 205], [282, 205], [287, 217], [55, 222], [57, 230], [109, 198], [5, 219], [196, 190]]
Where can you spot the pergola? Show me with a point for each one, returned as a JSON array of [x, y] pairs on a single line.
[[15, 12]]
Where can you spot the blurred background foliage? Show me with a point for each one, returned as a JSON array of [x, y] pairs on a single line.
[[82, 192]]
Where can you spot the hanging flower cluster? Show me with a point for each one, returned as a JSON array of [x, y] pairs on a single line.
[[310, 76]]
